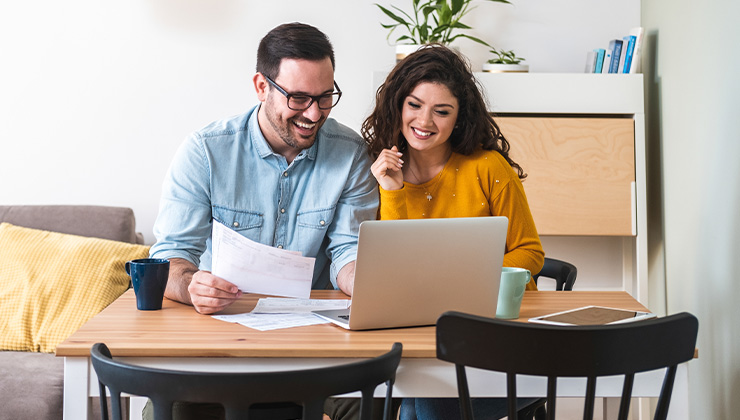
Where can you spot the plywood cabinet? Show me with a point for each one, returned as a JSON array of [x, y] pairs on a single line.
[[580, 172], [581, 138]]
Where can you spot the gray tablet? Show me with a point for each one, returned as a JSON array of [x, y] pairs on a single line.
[[592, 315]]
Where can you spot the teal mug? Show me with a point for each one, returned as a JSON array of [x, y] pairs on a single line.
[[149, 278], [513, 283]]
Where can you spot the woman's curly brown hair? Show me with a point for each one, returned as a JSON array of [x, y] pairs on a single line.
[[435, 63]]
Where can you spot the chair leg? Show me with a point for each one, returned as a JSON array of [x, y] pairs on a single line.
[[540, 413]]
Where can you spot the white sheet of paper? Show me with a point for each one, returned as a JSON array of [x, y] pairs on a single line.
[[258, 268], [294, 306], [266, 322]]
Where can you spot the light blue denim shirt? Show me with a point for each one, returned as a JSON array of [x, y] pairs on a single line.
[[228, 172]]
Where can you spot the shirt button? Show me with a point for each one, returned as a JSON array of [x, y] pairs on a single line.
[[236, 224], [280, 247], [285, 173], [282, 210], [322, 223]]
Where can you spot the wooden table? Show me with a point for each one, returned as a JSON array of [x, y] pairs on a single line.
[[179, 338]]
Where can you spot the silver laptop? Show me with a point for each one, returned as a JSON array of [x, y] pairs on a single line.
[[409, 272]]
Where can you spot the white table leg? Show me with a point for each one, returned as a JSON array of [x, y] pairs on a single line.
[[136, 405], [76, 396]]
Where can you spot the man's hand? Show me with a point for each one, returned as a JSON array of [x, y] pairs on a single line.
[[210, 294], [346, 278], [206, 292]]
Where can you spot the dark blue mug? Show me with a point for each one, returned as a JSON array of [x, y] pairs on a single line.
[[149, 277]]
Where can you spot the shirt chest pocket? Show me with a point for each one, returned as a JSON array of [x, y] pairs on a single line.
[[315, 219], [247, 223], [311, 228]]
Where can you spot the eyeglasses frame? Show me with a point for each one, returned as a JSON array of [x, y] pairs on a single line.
[[313, 98]]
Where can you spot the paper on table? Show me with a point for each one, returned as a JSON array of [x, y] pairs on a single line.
[[295, 306], [266, 322], [258, 268], [276, 313]]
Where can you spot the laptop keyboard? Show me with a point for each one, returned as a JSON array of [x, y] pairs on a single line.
[[344, 317]]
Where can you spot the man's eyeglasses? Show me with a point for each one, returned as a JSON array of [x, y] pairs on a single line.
[[301, 102]]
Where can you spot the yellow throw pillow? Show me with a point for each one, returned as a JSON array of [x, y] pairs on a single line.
[[52, 283]]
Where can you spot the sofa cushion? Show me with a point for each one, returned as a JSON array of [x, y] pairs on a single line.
[[31, 385], [52, 283], [107, 222]]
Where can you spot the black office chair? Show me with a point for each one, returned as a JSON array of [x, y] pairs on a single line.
[[238, 391], [564, 273], [573, 351]]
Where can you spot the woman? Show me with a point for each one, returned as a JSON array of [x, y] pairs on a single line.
[[439, 153]]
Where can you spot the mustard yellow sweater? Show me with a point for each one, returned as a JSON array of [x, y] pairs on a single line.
[[482, 184]]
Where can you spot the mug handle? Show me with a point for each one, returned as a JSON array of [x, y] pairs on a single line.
[[128, 268], [529, 277]]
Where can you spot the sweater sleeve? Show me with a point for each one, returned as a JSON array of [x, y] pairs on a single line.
[[523, 246], [393, 204]]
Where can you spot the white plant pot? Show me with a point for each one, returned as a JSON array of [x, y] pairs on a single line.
[[403, 50], [505, 68]]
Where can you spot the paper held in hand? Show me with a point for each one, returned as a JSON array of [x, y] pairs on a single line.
[[257, 268]]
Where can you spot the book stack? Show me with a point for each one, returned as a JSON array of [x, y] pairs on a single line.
[[620, 56]]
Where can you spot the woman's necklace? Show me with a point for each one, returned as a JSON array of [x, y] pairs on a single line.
[[428, 194]]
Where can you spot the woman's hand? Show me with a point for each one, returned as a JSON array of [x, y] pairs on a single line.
[[387, 169]]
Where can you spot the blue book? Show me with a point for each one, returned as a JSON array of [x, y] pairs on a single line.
[[599, 59], [615, 46], [629, 41], [607, 61]]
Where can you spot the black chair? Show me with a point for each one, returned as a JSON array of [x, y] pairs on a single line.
[[238, 391], [573, 351], [564, 273]]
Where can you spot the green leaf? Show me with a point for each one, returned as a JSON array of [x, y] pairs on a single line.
[[445, 14], [460, 25], [405, 38], [392, 15], [457, 5], [428, 10], [472, 38]]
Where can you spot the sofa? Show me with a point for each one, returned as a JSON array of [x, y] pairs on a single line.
[[31, 382]]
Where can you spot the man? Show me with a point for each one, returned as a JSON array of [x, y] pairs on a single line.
[[283, 174]]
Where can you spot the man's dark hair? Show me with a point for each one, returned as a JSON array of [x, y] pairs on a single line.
[[292, 40]]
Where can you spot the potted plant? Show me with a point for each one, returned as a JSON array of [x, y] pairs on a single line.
[[430, 21], [505, 61]]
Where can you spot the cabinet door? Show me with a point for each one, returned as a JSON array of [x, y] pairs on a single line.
[[581, 172]]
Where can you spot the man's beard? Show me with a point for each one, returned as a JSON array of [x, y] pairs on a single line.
[[284, 129]]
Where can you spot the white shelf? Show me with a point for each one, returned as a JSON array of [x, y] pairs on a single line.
[[563, 93]]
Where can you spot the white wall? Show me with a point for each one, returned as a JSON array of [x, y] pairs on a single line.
[[96, 96], [694, 96]]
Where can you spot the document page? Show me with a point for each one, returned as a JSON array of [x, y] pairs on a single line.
[[258, 268], [277, 313], [297, 306], [267, 322]]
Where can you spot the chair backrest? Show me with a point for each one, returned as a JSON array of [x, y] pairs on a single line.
[[573, 351], [563, 272], [238, 391]]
